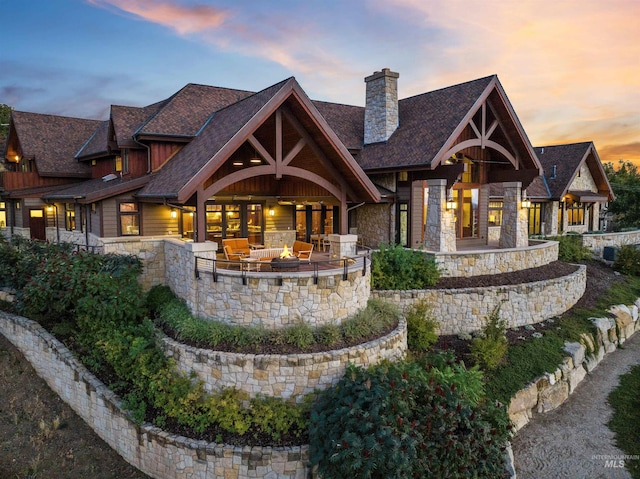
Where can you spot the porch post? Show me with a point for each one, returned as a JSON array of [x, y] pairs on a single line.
[[201, 221], [440, 234], [514, 230]]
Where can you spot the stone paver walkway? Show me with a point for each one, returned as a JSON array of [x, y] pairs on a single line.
[[570, 441]]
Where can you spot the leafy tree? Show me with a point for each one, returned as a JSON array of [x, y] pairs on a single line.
[[625, 182], [5, 114]]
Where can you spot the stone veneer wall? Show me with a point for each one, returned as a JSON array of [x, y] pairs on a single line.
[[549, 391], [597, 242], [148, 248], [155, 452], [496, 261], [279, 375], [464, 310], [373, 223]]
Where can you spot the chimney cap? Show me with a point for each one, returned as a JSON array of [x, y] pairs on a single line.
[[386, 72]]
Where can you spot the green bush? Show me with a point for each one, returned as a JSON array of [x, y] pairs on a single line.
[[394, 267], [488, 350], [570, 248], [628, 260], [421, 327], [399, 420]]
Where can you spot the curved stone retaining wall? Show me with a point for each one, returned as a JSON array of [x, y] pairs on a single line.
[[464, 310], [597, 242], [549, 391], [496, 261], [285, 376], [155, 452]]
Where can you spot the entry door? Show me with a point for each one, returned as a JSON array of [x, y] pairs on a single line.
[[37, 225], [467, 212]]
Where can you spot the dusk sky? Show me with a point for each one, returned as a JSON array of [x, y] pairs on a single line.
[[571, 68]]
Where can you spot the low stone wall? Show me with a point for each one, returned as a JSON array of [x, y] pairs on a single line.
[[155, 452], [148, 248], [597, 242], [464, 310], [285, 376], [549, 391], [496, 261]]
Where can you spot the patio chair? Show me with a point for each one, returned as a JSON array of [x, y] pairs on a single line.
[[230, 255], [302, 250]]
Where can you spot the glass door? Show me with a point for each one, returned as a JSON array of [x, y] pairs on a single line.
[[254, 223], [467, 212]]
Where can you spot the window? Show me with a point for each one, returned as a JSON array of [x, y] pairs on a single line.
[[3, 214], [129, 219], [121, 162], [535, 219], [70, 216], [575, 214], [495, 213]]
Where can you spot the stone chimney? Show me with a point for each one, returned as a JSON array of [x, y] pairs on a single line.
[[381, 108]]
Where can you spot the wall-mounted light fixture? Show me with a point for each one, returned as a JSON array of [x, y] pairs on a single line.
[[272, 212], [174, 213], [451, 203], [525, 203]]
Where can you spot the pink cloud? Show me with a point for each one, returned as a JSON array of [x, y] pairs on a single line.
[[181, 18]]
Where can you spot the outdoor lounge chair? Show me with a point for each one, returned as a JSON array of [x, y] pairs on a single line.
[[302, 250]]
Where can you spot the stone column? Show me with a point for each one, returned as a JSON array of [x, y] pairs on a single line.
[[514, 230], [440, 234], [342, 245], [550, 218]]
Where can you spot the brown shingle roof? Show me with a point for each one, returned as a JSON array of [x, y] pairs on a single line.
[[97, 189], [426, 123], [566, 159], [184, 113], [219, 129], [345, 120], [52, 141], [96, 145], [127, 119]]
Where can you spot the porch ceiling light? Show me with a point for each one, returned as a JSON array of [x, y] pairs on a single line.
[[238, 163]]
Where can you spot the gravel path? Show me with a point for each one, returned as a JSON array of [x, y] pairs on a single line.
[[565, 443]]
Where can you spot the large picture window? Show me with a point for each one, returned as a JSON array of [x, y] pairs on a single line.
[[129, 219], [575, 214]]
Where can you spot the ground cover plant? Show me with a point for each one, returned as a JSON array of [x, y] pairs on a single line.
[[625, 402], [173, 316], [527, 360]]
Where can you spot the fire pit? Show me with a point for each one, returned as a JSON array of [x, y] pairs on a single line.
[[286, 261]]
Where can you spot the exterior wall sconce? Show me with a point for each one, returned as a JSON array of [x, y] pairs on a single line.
[[451, 203], [525, 203], [272, 212], [174, 214]]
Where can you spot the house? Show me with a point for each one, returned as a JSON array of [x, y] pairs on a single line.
[[39, 158], [210, 163], [571, 194]]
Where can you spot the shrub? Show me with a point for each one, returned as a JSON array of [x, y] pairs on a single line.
[[570, 248], [394, 267], [399, 420], [626, 416], [489, 349], [628, 260], [421, 327]]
